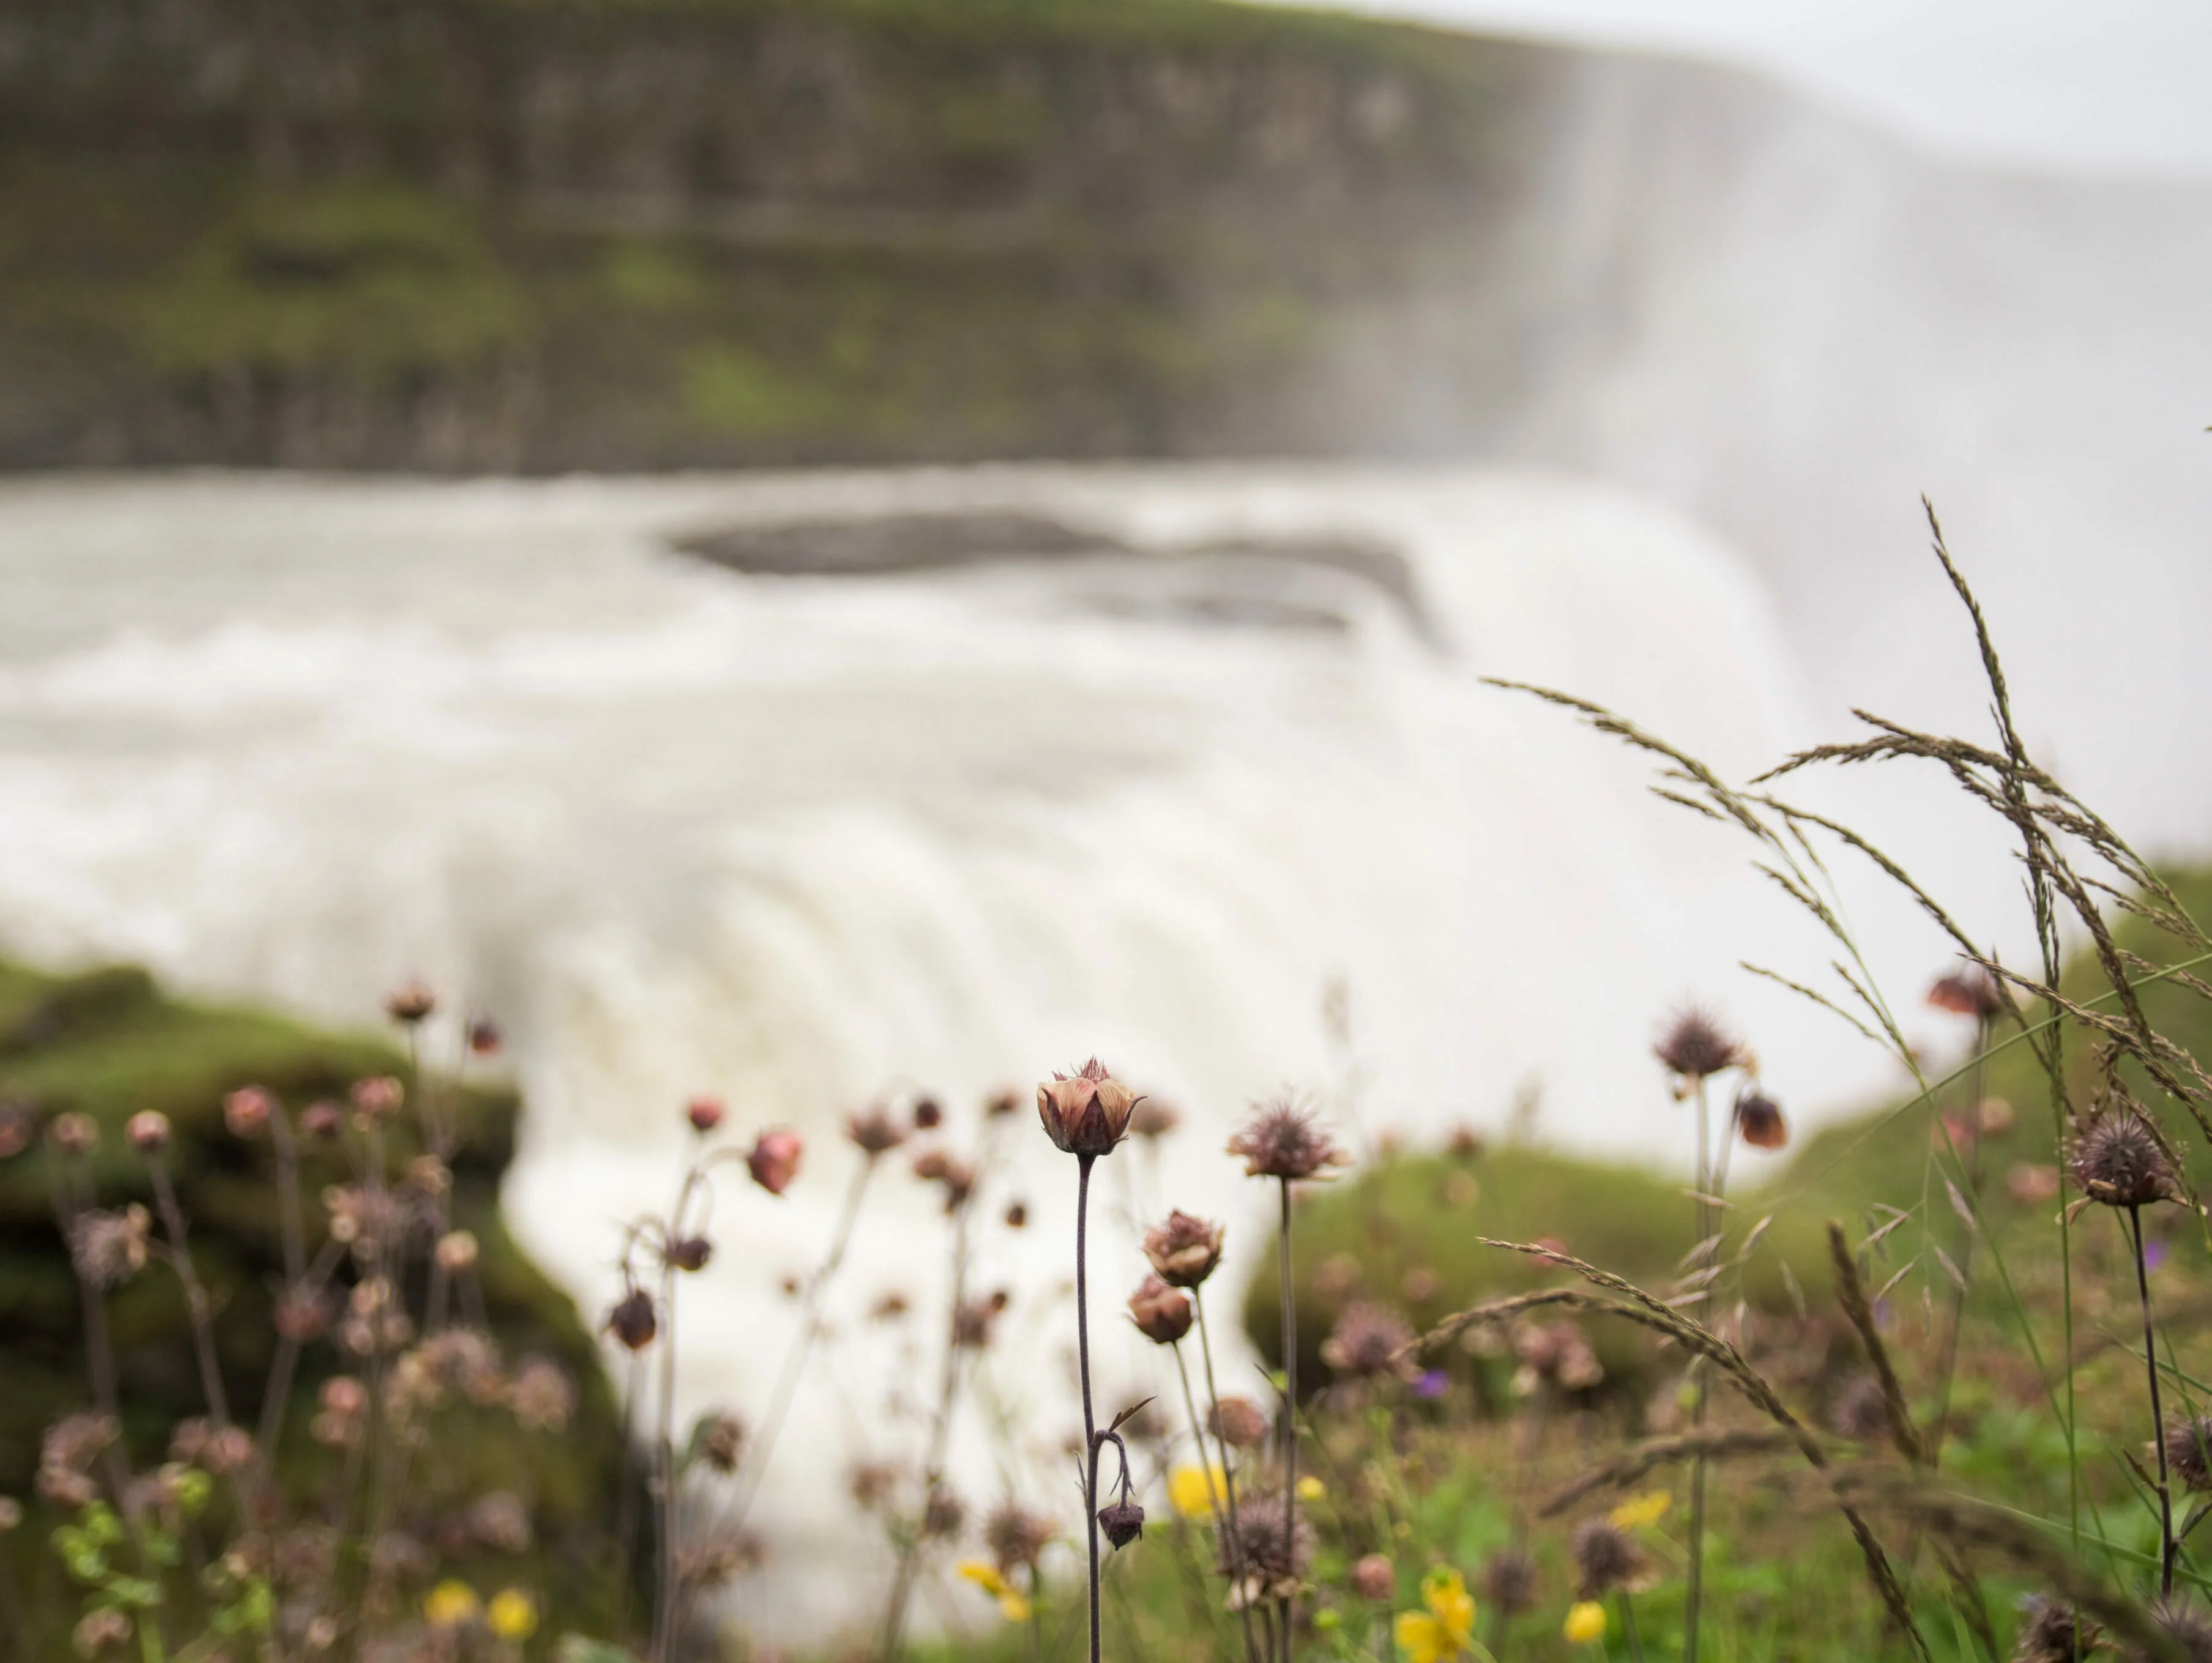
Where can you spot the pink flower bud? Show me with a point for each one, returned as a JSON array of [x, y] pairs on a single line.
[[775, 1159]]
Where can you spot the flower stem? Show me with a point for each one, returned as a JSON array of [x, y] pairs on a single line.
[[1083, 1365], [1693, 1599], [1216, 1502], [1628, 1621], [1289, 1419], [1236, 1538], [2165, 1539]]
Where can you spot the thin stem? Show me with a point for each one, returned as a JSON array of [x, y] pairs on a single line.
[[2166, 1544], [1947, 1361], [1228, 1477], [196, 1299], [1694, 1601], [1083, 1367], [1216, 1503], [1290, 1415], [664, 1605], [1628, 1621]]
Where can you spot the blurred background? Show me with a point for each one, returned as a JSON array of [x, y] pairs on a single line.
[[832, 550]]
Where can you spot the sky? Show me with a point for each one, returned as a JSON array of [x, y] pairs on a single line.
[[2087, 85]]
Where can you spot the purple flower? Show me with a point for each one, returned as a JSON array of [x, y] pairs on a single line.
[[2154, 1253], [1432, 1384]]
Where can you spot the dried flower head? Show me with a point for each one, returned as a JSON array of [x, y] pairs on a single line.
[[1368, 1342], [1508, 1580], [1861, 1410], [1184, 1250], [1275, 1555], [704, 1113], [1556, 1355], [874, 1131], [721, 1439], [1086, 1113], [928, 1115], [498, 1521], [99, 1632], [147, 1132], [1969, 991], [1239, 1423], [1017, 1215], [109, 1248], [2052, 1631], [710, 1560], [1695, 1046], [67, 1450], [974, 1323], [74, 1134], [1282, 1140], [457, 1251], [409, 1003], [1758, 1118], [1162, 1314], [1007, 1099], [2119, 1160], [322, 1121], [872, 1485], [689, 1253], [775, 1159], [1607, 1557], [484, 1037], [633, 1321], [11, 1514], [944, 1514], [2189, 1451], [378, 1098], [541, 1396], [2187, 1625], [1154, 1119], [18, 1125], [1017, 1537], [1122, 1521], [1375, 1578]]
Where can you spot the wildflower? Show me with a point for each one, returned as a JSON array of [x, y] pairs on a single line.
[[457, 1251], [512, 1615], [2030, 1182], [928, 1115], [322, 1121], [1086, 1112], [500, 1521], [2186, 1625], [1274, 1548], [11, 1513], [973, 1322], [2052, 1631], [707, 1561], [147, 1132], [378, 1098], [870, 1484], [1608, 1559], [541, 1395], [1445, 1629], [1013, 1604], [1993, 1118], [74, 1134], [1017, 1538], [1555, 1354], [409, 1003], [1759, 1117], [2119, 1160], [17, 1126], [704, 1113], [1282, 1140], [1969, 991], [1585, 1622], [1005, 1100], [1375, 1577], [874, 1132], [1154, 1119], [689, 1253], [1431, 1384], [109, 1248], [1184, 1250], [1311, 1489], [1017, 1215], [720, 1439], [775, 1159], [1162, 1314], [943, 1514], [67, 1450], [2187, 1443], [1193, 1492], [1122, 1521], [1239, 1423], [1509, 1580], [1639, 1511], [1368, 1342], [99, 1630], [632, 1321], [1695, 1046], [450, 1605], [484, 1038], [958, 1180]]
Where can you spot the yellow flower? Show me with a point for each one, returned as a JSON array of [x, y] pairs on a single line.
[[1311, 1489], [1192, 1490], [450, 1605], [1585, 1622], [513, 1614], [1446, 1628], [1641, 1510], [1013, 1604]]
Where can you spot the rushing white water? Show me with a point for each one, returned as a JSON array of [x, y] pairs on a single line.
[[803, 842]]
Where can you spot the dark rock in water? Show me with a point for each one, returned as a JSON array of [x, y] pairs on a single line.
[[1291, 583]]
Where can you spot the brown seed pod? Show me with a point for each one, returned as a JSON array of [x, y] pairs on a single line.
[[1162, 1314], [1183, 1251]]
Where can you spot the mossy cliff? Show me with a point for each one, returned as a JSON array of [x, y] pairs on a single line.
[[557, 234]]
